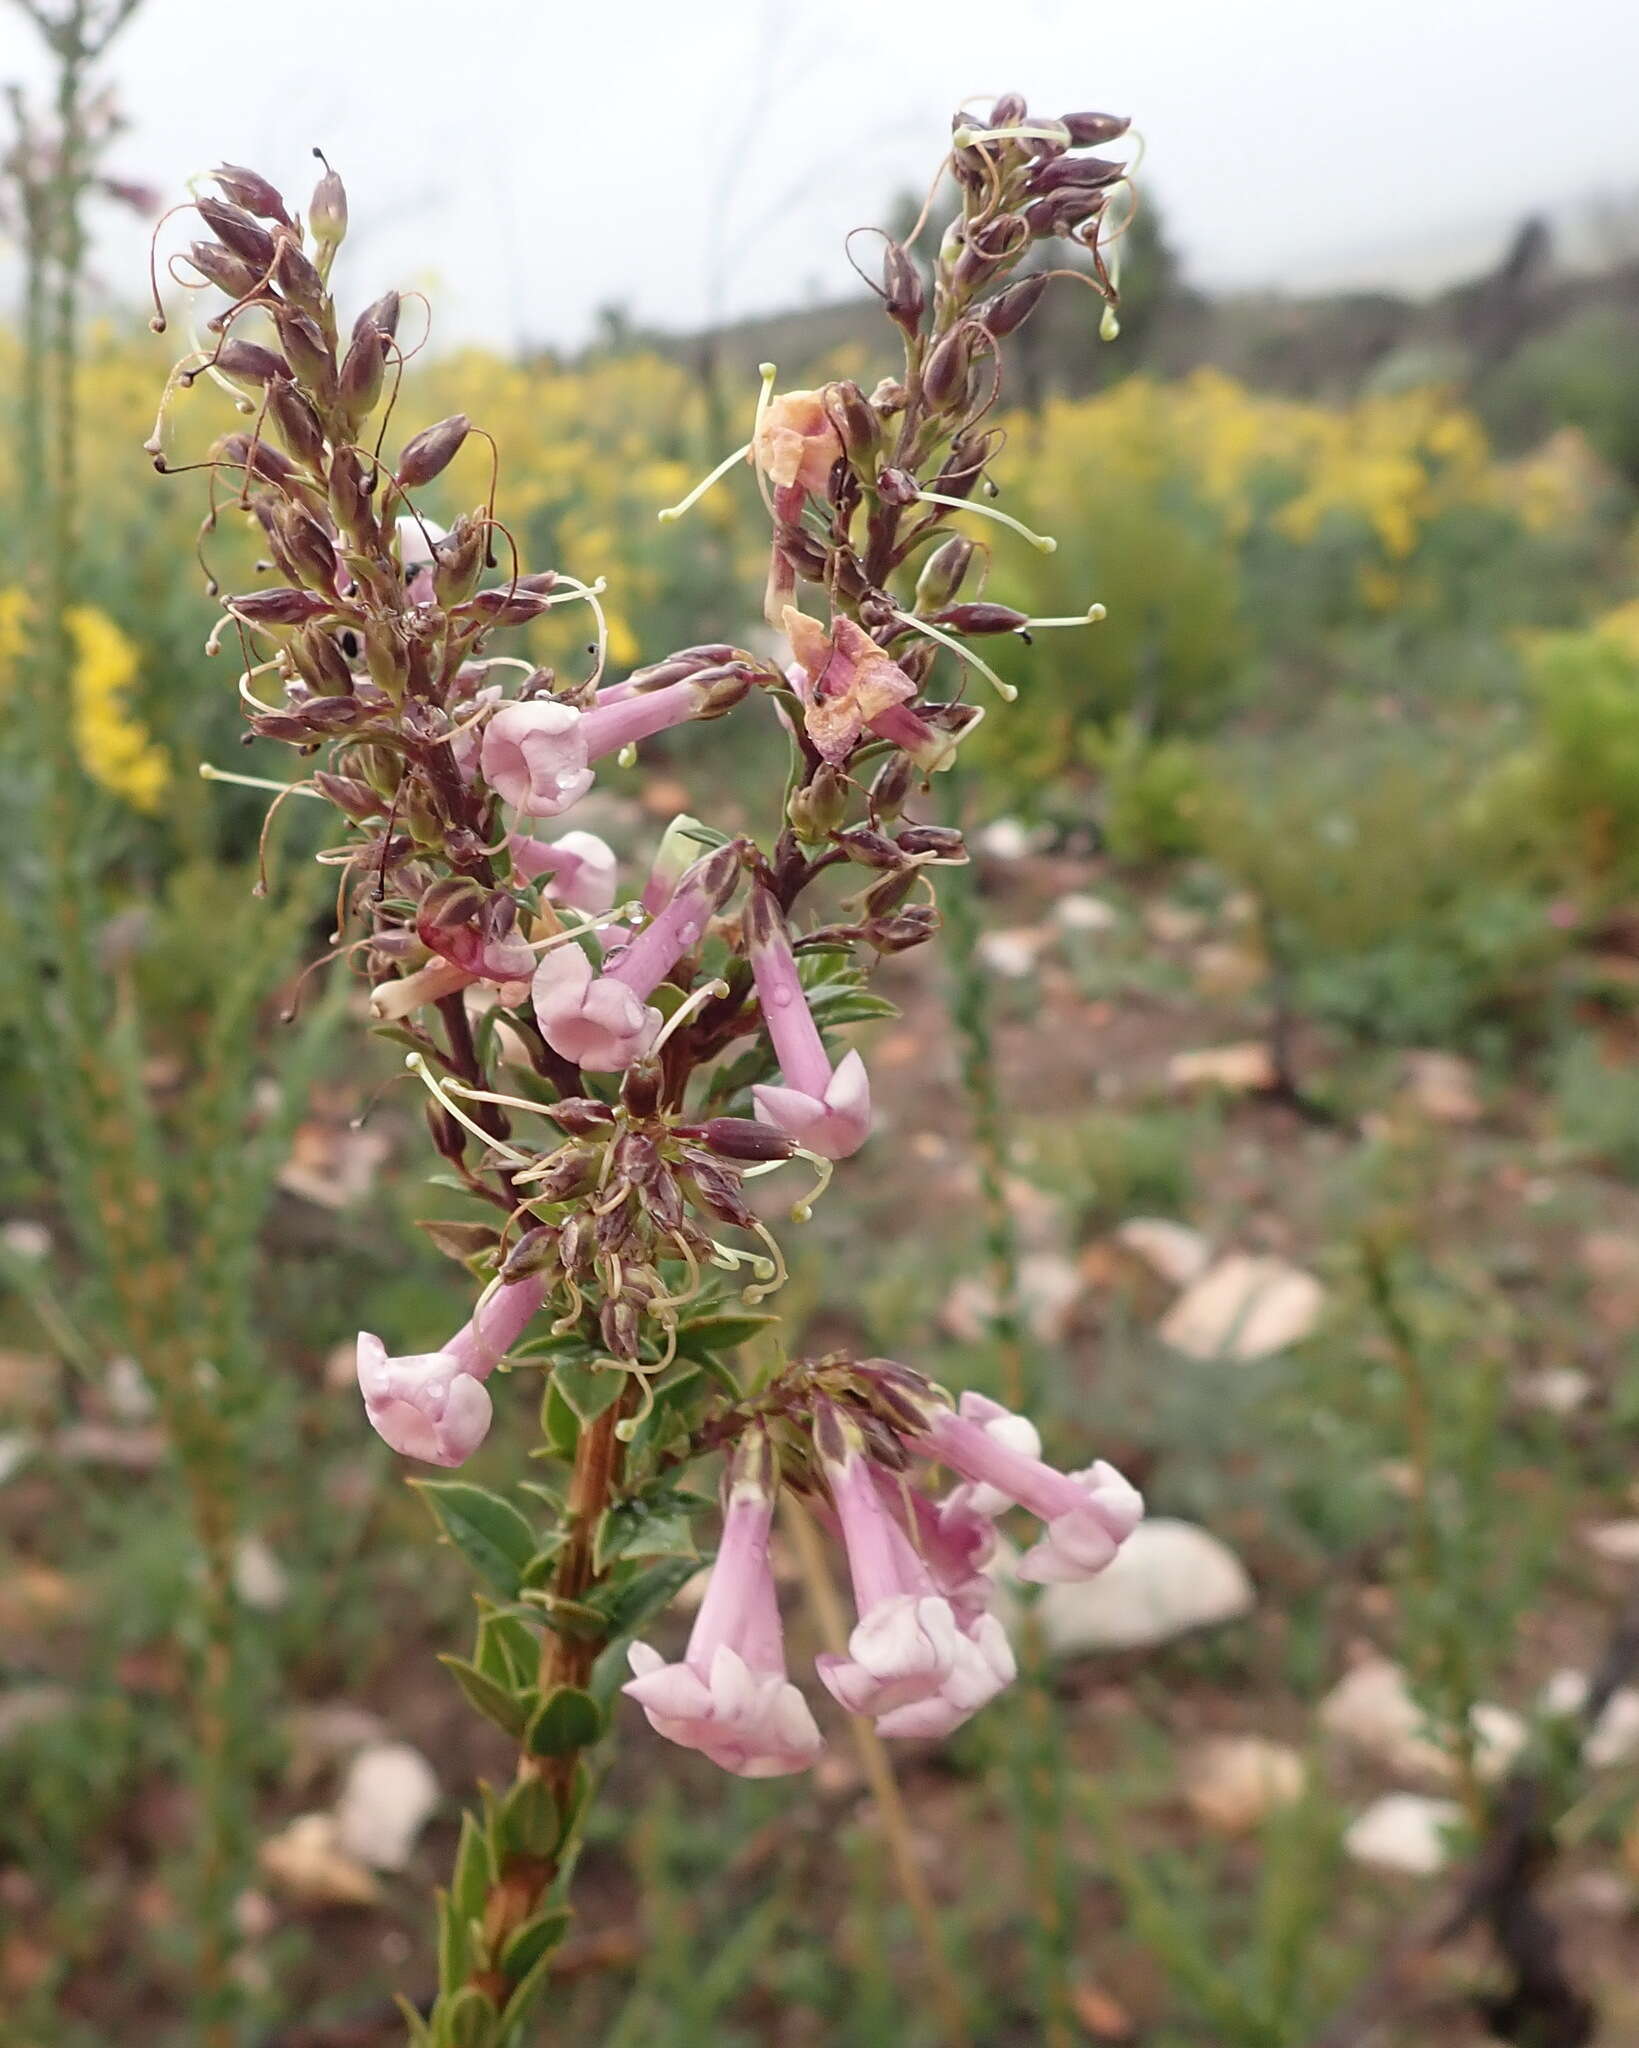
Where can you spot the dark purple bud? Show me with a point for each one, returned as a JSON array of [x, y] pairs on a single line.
[[944, 841], [363, 369], [350, 498], [535, 1252], [858, 428], [307, 546], [278, 607], [253, 192], [640, 1093], [577, 1242], [886, 896], [870, 848], [742, 1138], [897, 487], [892, 785], [309, 353], [321, 663], [719, 1191], [902, 288], [570, 1171], [1008, 111], [943, 573], [945, 375], [981, 618], [618, 1322], [458, 561], [247, 362], [237, 230], [1078, 173], [432, 451], [664, 1202], [1010, 309], [579, 1114], [1001, 238], [899, 933], [295, 422], [229, 273], [1089, 131], [295, 275], [505, 607], [383, 313], [355, 800]]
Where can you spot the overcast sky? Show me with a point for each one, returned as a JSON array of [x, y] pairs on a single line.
[[538, 160]]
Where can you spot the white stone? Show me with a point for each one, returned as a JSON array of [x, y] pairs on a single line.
[[1081, 913], [1049, 1288], [1171, 1250], [259, 1579], [387, 1798], [307, 1862], [1011, 954], [1614, 1739], [1373, 1708], [1231, 1782], [16, 1448], [26, 1239], [1618, 1542], [1168, 1578], [130, 1398], [1006, 839], [1403, 1832], [1444, 1087], [1234, 1069], [1244, 1307], [1555, 1389]]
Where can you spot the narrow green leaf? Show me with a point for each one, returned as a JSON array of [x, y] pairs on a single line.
[[454, 1958], [629, 1601], [421, 2035], [474, 1870], [526, 1946], [565, 1721], [712, 1336], [488, 1531], [529, 1822], [507, 1710], [469, 2019], [530, 1986]]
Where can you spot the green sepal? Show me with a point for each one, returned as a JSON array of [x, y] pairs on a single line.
[[469, 2019], [529, 1823], [526, 1946], [474, 1870], [421, 2035], [488, 1531], [509, 1711], [565, 1721]]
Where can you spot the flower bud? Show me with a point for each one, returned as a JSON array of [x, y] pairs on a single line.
[[382, 313], [295, 275], [618, 1324], [307, 546], [508, 606], [309, 354], [570, 1171], [327, 215], [247, 362], [944, 841], [229, 273], [355, 800], [899, 933], [849, 412], [239, 231], [743, 1138], [719, 1191], [350, 498], [902, 292], [1010, 309], [1088, 131], [981, 618], [321, 663], [720, 690], [458, 561], [944, 573], [580, 1114], [431, 451], [640, 1097], [870, 848], [945, 375], [1008, 111], [535, 1252], [380, 767], [818, 807], [897, 487], [363, 370], [295, 422], [1079, 173], [253, 192], [278, 607], [892, 785], [886, 896], [888, 397]]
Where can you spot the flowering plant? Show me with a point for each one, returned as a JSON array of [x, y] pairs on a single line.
[[673, 1047]]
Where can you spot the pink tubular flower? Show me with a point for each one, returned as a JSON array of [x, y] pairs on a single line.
[[828, 1112], [730, 1697], [795, 444], [912, 1664], [537, 755], [847, 683], [1088, 1515], [603, 1022], [433, 1405], [582, 867]]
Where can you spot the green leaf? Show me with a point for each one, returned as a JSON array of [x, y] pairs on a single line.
[[421, 2035], [506, 1709], [488, 1531], [712, 1336], [459, 1241], [474, 1870], [529, 1822], [454, 1953], [533, 1981], [565, 1721], [469, 2019], [560, 1425], [587, 1389], [507, 1649], [527, 1944], [628, 1601], [648, 1528]]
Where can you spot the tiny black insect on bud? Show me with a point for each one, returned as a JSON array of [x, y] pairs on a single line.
[[432, 451], [902, 288], [253, 192]]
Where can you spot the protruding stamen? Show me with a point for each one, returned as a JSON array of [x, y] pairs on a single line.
[[417, 1064], [963, 652], [772, 1276], [668, 513], [208, 772], [591, 592], [471, 1094], [1090, 617], [1044, 543], [1045, 131]]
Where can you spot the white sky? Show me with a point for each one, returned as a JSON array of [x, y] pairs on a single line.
[[536, 160]]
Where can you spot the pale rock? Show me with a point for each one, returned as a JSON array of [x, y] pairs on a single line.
[[1616, 1542], [1230, 1782], [1614, 1738], [968, 1310], [307, 1862], [1012, 954], [122, 1447], [323, 1734], [1244, 1069], [126, 1388], [333, 1165], [1555, 1389], [389, 1794], [1174, 925], [16, 1448], [1006, 839], [26, 1239], [1172, 1251], [1168, 1578], [1443, 1087], [1081, 913], [259, 1579], [1244, 1307], [1226, 971], [1405, 1833], [1373, 1708], [1049, 1288], [29, 1706]]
